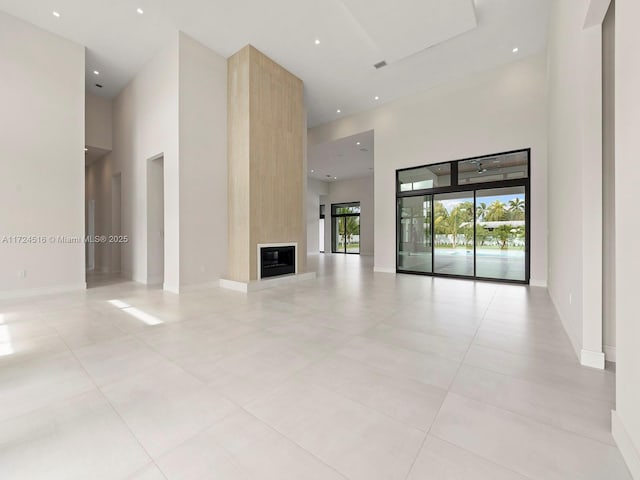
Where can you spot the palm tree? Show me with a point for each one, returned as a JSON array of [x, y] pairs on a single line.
[[496, 212], [351, 228], [481, 211], [516, 209]]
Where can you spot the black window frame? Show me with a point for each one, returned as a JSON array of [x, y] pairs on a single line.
[[334, 215], [468, 187]]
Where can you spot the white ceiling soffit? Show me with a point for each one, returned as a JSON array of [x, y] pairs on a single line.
[[345, 158], [338, 72], [596, 11], [402, 28]]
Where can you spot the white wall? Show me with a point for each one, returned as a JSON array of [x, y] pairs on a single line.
[[315, 190], [608, 185], [495, 111], [98, 121], [575, 177], [41, 158], [353, 190], [145, 124], [626, 421], [176, 106], [203, 163]]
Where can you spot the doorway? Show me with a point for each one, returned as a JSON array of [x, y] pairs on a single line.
[[155, 221], [345, 226], [321, 229], [91, 233], [116, 222]]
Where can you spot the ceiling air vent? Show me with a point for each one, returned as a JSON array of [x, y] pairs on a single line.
[[98, 85], [381, 64], [364, 150]]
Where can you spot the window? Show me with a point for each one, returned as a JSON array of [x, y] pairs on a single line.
[[494, 169], [423, 178], [470, 221], [345, 226]]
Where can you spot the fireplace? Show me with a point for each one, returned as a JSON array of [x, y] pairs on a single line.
[[276, 260]]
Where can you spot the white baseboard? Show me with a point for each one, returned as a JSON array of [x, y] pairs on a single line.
[[171, 288], [234, 285], [538, 283], [592, 359], [384, 270], [257, 285], [609, 353], [628, 450], [199, 286], [36, 292]]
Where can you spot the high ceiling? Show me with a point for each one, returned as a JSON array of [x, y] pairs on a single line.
[[424, 42], [342, 159]]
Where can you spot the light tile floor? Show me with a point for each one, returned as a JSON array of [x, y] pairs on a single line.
[[354, 375]]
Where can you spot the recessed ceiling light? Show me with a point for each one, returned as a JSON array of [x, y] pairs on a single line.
[[376, 98], [515, 50], [357, 143], [56, 14], [335, 178], [96, 72], [317, 41], [312, 171], [338, 111], [140, 11]]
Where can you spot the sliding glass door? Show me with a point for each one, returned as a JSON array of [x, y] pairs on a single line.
[[453, 233], [467, 218], [501, 232], [414, 245], [345, 219]]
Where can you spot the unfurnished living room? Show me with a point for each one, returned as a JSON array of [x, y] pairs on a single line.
[[319, 239]]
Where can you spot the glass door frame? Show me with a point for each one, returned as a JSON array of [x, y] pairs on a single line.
[[468, 187], [335, 216]]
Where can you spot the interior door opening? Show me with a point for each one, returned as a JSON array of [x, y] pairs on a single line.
[[155, 221], [345, 228]]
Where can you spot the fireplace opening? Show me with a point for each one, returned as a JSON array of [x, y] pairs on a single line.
[[275, 261]]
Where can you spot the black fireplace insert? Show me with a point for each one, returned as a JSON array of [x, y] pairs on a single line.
[[275, 261]]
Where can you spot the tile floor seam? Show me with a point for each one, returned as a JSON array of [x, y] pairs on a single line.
[[139, 372], [483, 458], [286, 437], [115, 411], [510, 376], [406, 349], [408, 329], [389, 375], [592, 397], [533, 419], [135, 474], [538, 383], [157, 457], [368, 407], [413, 463], [376, 303], [48, 406]]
